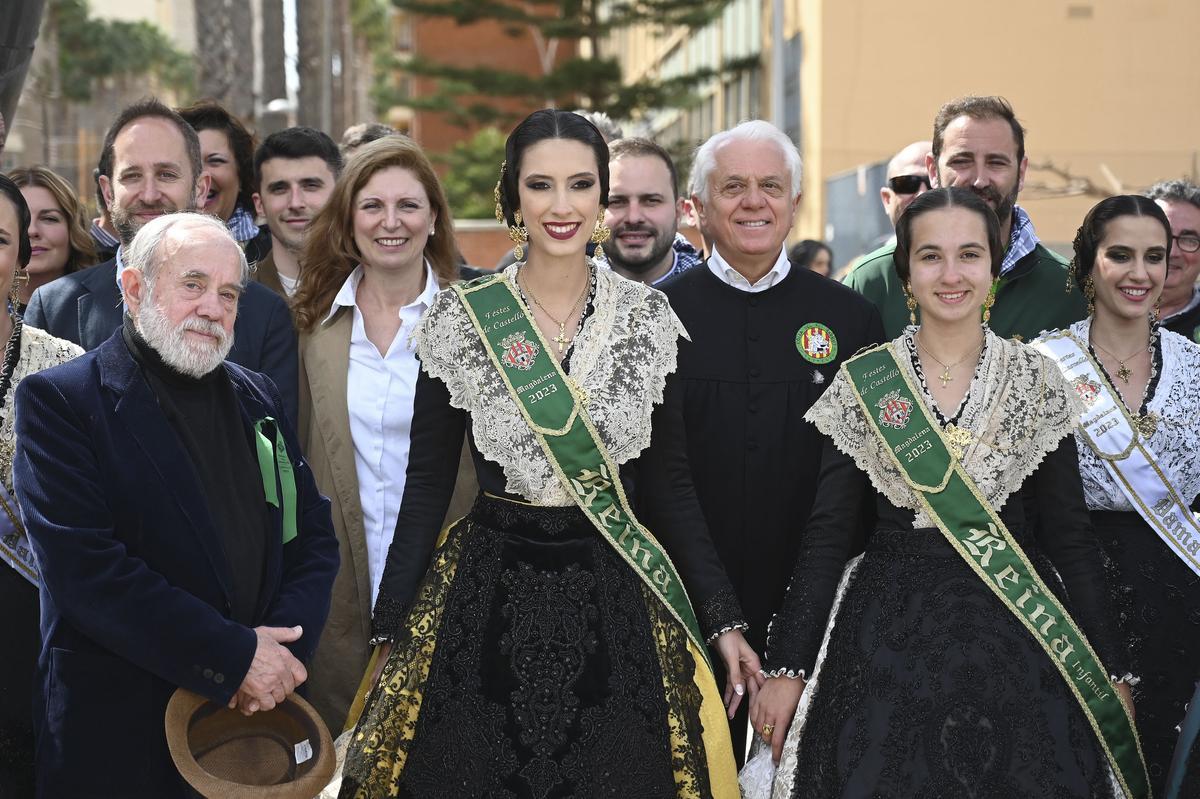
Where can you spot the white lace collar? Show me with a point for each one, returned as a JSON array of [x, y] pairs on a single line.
[[1176, 438], [1018, 408], [621, 358]]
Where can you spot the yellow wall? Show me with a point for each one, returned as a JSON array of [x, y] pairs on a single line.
[[1120, 88]]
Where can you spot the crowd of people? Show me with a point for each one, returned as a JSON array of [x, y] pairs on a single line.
[[620, 517]]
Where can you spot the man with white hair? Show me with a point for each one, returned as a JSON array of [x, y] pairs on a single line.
[[180, 535], [765, 341]]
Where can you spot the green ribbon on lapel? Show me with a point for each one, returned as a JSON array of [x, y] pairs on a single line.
[[273, 462]]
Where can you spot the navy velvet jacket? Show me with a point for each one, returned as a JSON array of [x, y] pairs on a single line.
[[135, 596], [85, 307]]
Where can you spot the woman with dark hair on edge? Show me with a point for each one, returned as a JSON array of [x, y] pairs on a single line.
[[227, 155], [945, 660], [1138, 439], [812, 255], [545, 644], [27, 350]]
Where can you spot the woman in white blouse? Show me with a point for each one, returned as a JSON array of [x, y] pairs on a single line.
[[376, 256]]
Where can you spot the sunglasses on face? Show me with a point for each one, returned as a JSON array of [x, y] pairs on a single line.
[[908, 184]]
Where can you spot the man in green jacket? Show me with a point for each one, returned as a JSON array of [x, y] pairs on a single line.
[[979, 144]]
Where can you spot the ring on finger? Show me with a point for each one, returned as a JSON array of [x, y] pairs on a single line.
[[767, 729]]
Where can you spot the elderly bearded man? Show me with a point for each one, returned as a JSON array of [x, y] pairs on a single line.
[[766, 340], [181, 538]]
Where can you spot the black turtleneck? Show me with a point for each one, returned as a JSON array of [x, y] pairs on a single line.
[[208, 419]]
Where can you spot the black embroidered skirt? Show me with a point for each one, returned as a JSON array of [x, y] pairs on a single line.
[[931, 688], [535, 664], [1157, 601]]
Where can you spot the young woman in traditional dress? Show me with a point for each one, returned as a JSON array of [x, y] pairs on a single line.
[[944, 662], [1139, 455], [543, 646]]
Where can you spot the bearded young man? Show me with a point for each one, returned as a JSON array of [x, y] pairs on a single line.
[[978, 144], [181, 538], [643, 213]]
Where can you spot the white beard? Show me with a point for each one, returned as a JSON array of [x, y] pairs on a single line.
[[173, 345]]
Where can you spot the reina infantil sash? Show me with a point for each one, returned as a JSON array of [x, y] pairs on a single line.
[[1108, 431], [553, 407], [973, 528]]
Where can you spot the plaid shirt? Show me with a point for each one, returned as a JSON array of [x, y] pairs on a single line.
[[241, 225], [1022, 241], [686, 257]]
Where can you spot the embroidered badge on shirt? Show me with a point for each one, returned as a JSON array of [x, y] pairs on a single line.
[[816, 343], [894, 410], [519, 353]]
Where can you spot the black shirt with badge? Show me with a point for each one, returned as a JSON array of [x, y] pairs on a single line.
[[754, 365]]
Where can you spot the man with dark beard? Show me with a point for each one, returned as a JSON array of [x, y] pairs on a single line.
[[979, 144], [150, 166], [180, 534], [643, 213]]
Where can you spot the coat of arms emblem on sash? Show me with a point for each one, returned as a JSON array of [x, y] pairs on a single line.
[[894, 410], [518, 352], [1088, 390]]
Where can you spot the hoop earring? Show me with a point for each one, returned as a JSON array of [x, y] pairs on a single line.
[[911, 302], [988, 302], [1089, 291], [519, 235]]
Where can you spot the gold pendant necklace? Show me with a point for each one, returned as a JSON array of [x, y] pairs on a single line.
[[945, 376], [1124, 372], [561, 339]]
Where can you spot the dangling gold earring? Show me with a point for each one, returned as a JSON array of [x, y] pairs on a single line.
[[20, 278], [988, 303], [600, 234], [1071, 269], [519, 235], [1089, 291], [518, 232], [911, 302], [1156, 312]]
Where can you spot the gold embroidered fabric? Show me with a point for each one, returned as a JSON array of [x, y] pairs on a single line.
[[621, 358], [1017, 409], [39, 350], [378, 748]]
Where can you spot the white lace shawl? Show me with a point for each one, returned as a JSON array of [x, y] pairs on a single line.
[[1018, 408], [621, 359], [39, 350], [1176, 439]]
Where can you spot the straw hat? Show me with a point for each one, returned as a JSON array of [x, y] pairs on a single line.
[[284, 753]]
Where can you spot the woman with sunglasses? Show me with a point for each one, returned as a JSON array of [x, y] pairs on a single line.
[[1138, 439], [943, 661]]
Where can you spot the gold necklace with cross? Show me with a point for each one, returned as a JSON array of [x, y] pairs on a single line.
[[561, 339]]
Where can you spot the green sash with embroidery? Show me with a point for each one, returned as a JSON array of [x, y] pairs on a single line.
[[952, 501], [553, 407]]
